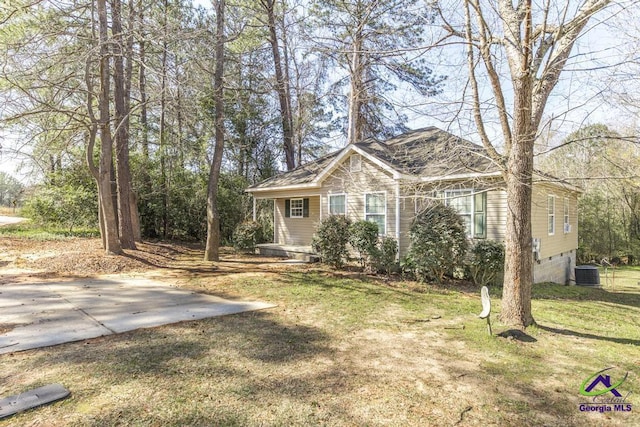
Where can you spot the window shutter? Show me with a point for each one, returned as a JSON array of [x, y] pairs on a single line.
[[287, 208], [305, 208]]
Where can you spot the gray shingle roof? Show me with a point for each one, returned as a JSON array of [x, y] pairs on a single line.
[[301, 175], [422, 153]]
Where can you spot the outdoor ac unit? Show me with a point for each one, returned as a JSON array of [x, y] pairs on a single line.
[[536, 248], [567, 228]]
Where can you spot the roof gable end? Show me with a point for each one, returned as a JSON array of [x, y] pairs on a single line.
[[344, 155]]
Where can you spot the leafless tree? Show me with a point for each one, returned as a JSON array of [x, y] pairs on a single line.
[[535, 40], [213, 217], [283, 85]]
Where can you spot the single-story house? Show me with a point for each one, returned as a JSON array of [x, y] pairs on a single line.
[[388, 182]]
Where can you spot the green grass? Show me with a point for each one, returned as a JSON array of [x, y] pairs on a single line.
[[40, 232], [344, 350], [620, 277]]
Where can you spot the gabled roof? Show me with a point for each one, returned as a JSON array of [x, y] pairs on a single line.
[[427, 154]]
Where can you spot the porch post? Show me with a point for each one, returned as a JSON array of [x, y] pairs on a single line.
[[254, 208]]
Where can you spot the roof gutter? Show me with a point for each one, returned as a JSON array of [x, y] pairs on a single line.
[[459, 176], [284, 188], [558, 183]]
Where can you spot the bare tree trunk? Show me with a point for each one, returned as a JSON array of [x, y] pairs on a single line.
[[516, 296], [142, 86], [112, 244], [296, 142], [93, 129], [144, 122], [355, 125], [213, 217], [133, 205], [282, 87], [163, 126], [535, 60], [123, 173]]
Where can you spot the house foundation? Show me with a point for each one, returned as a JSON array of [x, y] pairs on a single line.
[[558, 269]]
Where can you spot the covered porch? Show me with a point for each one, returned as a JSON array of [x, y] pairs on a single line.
[[295, 218]]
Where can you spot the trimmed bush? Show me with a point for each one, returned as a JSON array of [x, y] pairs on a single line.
[[438, 243], [247, 235], [330, 240], [486, 267], [363, 237], [384, 255]]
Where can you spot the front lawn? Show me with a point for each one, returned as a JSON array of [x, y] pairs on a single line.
[[342, 349]]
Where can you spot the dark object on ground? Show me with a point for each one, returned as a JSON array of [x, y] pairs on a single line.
[[33, 398], [518, 335]]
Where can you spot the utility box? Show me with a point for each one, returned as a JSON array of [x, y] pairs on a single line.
[[587, 275]]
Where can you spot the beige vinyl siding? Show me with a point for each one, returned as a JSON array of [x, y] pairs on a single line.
[[370, 179], [496, 214], [559, 242], [296, 231], [407, 215]]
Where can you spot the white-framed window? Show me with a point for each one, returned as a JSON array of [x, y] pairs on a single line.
[[355, 163], [375, 210], [480, 215], [472, 207], [567, 224], [337, 204], [551, 214], [297, 208]]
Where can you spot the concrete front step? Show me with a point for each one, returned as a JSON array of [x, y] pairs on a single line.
[[302, 253]]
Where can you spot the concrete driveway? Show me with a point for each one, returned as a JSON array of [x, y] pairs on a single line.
[[49, 313]]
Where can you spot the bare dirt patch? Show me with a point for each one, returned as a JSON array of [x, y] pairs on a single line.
[[85, 257]]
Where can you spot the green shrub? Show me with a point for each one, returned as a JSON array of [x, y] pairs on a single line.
[[363, 237], [247, 235], [384, 255], [330, 240], [438, 243], [487, 264], [66, 206]]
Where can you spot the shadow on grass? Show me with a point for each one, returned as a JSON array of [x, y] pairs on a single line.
[[517, 335], [569, 332], [256, 336], [219, 371], [362, 285], [581, 293]]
